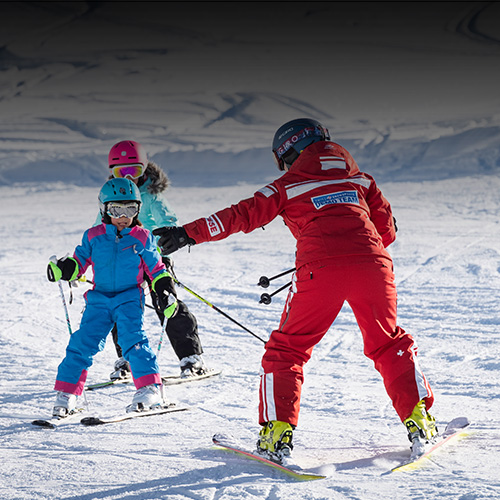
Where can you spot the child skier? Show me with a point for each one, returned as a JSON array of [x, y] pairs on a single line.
[[129, 159], [119, 251], [342, 224]]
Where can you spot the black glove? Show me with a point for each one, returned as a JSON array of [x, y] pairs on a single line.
[[166, 295], [172, 238], [65, 269]]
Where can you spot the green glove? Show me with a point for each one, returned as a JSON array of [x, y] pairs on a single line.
[[163, 286], [170, 307], [65, 269]]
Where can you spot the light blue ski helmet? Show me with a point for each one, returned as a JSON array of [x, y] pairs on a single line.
[[118, 189]]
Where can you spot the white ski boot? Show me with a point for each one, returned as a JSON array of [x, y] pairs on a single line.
[[122, 370], [65, 404], [146, 398], [192, 366]]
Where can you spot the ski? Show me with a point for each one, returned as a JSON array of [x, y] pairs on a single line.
[[177, 379], [53, 422], [167, 380], [453, 431], [100, 385], [88, 421], [228, 443]]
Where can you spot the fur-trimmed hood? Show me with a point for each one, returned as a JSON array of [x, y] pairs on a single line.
[[159, 180]]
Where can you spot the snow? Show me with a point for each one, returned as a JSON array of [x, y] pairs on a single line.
[[411, 89]]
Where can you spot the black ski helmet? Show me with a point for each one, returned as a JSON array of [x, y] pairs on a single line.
[[294, 136]]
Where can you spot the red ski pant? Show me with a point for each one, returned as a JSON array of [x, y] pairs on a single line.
[[316, 297]]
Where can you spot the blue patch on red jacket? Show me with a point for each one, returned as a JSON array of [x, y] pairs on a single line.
[[335, 198]]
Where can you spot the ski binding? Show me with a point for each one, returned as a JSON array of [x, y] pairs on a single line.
[[53, 422]]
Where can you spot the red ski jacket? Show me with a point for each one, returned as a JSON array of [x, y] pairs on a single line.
[[332, 209]]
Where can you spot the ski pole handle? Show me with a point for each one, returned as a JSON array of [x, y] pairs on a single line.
[[265, 298], [264, 280]]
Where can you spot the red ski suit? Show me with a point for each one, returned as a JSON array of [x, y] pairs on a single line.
[[342, 224]]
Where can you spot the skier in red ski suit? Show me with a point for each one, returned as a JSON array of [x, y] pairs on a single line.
[[342, 224]]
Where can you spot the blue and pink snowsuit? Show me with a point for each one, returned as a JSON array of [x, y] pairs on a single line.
[[119, 261]]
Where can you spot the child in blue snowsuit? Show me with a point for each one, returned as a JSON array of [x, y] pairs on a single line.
[[120, 251]]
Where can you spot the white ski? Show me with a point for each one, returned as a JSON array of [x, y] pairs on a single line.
[[133, 414], [167, 380], [177, 379]]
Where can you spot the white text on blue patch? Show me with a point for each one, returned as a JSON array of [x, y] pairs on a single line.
[[335, 198]]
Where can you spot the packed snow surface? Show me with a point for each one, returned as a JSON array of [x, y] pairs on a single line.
[[410, 88], [448, 271]]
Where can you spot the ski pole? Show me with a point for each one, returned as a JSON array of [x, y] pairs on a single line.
[[264, 280], [68, 322], [163, 323], [160, 342], [215, 308], [265, 298]]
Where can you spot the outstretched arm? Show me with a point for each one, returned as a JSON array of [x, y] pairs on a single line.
[[245, 216]]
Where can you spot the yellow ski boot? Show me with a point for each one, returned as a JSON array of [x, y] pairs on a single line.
[[421, 426], [275, 440]]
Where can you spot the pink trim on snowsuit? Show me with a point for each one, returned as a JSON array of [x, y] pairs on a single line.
[[72, 388]]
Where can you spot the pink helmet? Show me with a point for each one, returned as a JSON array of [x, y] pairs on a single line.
[[127, 152]]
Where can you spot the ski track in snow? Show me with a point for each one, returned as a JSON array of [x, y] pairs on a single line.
[[448, 269]]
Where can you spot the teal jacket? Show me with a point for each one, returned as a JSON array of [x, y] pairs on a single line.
[[155, 209]]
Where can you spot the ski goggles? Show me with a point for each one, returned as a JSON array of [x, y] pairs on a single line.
[[128, 209], [134, 170]]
